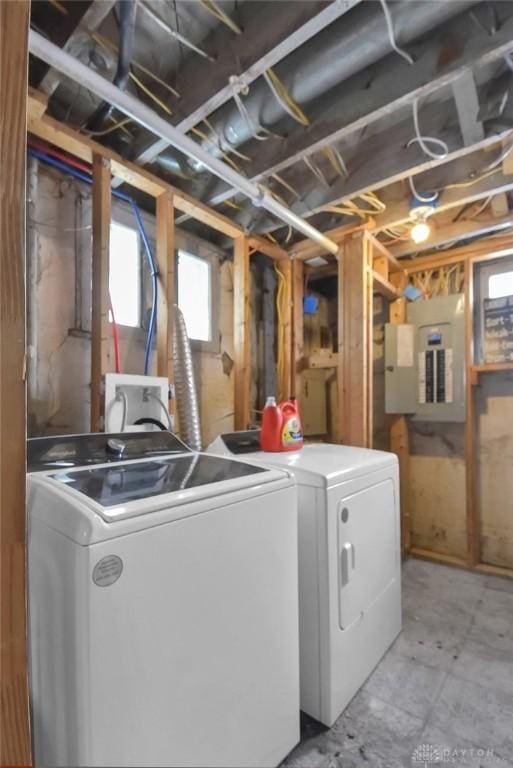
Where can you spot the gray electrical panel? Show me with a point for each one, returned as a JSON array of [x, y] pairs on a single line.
[[425, 361]]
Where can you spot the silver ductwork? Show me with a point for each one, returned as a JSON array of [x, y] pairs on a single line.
[[186, 393], [347, 46]]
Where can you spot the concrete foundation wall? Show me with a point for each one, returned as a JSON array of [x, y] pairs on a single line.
[[58, 365], [437, 490]]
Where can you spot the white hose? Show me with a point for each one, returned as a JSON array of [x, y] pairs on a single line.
[[425, 140]]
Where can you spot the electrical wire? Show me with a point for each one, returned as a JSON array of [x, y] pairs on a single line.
[[256, 130], [422, 198], [59, 7], [391, 35], [112, 48], [198, 132], [316, 171], [163, 25], [423, 141], [219, 14], [284, 98], [46, 157], [285, 184], [110, 129], [503, 155], [337, 161]]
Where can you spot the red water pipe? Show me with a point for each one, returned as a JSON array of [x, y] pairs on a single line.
[[57, 153]]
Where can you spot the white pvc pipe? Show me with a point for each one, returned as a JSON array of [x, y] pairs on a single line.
[[140, 113]]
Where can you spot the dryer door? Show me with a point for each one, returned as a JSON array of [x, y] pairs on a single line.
[[366, 545]]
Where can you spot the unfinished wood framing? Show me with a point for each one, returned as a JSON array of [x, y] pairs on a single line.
[[473, 524], [399, 443], [100, 341], [297, 327], [78, 145], [355, 342], [285, 323], [14, 733], [241, 333], [165, 255], [479, 252]]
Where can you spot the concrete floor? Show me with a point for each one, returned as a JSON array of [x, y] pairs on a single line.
[[445, 685]]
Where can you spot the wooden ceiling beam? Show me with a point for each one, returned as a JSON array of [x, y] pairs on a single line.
[[76, 144], [452, 233]]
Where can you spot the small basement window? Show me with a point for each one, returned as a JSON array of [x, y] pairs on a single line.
[[125, 274], [500, 284], [195, 295]]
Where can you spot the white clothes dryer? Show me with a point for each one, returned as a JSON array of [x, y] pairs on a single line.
[[349, 562]]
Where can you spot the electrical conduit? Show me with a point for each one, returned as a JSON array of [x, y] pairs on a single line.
[[148, 118]]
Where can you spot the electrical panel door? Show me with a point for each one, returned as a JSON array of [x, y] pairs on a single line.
[[432, 384]]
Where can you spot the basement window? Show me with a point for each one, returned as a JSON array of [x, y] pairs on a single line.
[[500, 284], [125, 274], [195, 295]]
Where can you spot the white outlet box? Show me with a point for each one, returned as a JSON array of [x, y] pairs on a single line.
[[141, 401]]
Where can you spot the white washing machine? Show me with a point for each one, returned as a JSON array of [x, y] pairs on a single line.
[[163, 608], [349, 563]]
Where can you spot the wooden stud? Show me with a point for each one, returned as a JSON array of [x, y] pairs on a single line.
[[377, 247], [14, 728], [100, 343], [285, 333], [165, 254], [438, 557], [78, 145], [384, 287], [319, 361], [483, 250], [355, 343], [400, 443], [473, 522], [297, 327], [241, 334]]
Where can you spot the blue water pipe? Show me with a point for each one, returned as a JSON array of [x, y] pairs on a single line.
[[88, 179]]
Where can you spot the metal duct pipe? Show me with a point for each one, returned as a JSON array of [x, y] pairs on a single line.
[[135, 109], [185, 385], [127, 10], [347, 46]]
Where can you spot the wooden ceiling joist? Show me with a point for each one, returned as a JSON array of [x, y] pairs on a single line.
[[262, 245], [62, 136]]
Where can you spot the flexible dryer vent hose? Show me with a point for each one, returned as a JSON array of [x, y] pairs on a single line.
[[185, 387]]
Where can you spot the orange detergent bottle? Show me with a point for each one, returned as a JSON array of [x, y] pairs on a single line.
[[281, 427]]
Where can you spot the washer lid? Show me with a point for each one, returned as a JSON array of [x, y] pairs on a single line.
[[66, 451], [321, 464], [123, 490]]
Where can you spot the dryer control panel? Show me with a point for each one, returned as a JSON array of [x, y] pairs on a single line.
[[427, 380]]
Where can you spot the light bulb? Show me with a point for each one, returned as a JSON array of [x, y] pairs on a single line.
[[420, 232]]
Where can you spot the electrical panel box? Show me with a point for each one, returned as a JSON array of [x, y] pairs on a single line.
[[425, 361]]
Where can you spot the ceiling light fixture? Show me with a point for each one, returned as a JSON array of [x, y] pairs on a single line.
[[420, 232]]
